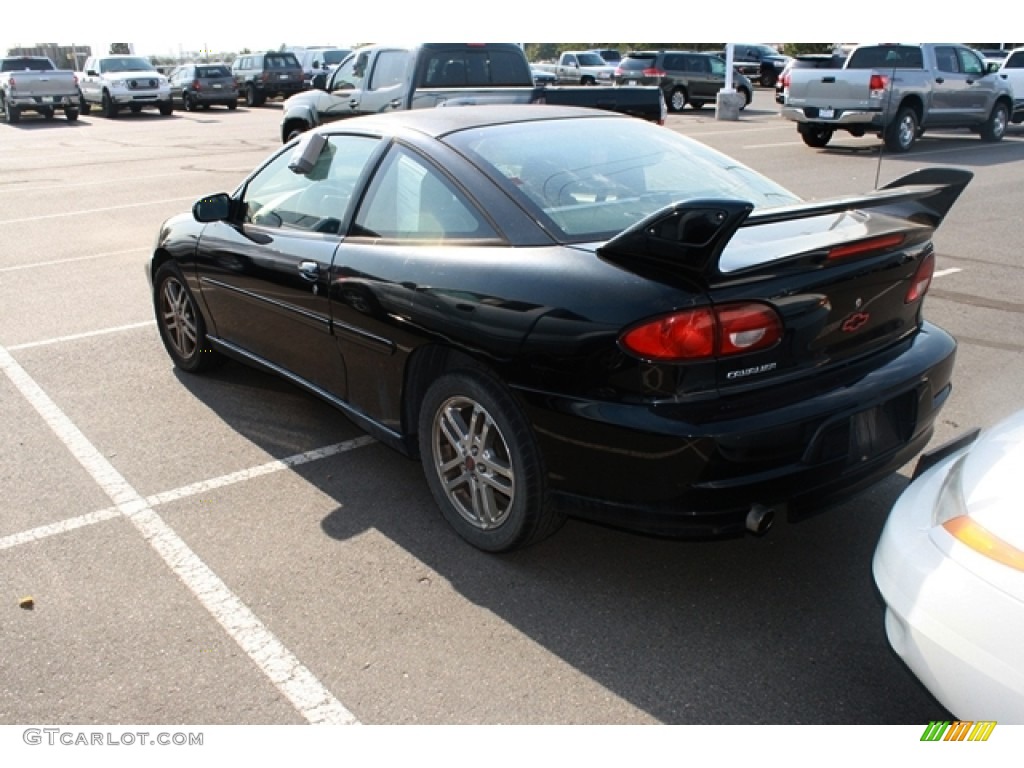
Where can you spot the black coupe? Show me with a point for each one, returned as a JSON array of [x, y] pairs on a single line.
[[571, 312]]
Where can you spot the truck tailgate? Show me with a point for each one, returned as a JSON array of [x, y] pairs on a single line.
[[839, 89]]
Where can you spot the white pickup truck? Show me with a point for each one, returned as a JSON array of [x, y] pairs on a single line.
[[121, 81], [1012, 71], [580, 68], [34, 84]]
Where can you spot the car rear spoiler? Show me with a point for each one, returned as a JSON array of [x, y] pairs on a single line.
[[691, 235]]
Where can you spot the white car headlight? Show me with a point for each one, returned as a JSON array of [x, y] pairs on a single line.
[[952, 513], [117, 83]]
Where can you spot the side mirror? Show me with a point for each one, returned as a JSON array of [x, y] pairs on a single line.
[[992, 67], [212, 208]]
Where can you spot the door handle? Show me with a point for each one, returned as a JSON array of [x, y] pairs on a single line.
[[353, 103], [940, 79], [310, 270]]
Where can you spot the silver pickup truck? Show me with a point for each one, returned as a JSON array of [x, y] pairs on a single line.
[[34, 84], [898, 91]]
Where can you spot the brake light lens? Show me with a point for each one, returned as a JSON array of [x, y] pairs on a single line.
[[196, 85], [861, 247], [878, 84], [654, 72], [704, 333], [922, 279]]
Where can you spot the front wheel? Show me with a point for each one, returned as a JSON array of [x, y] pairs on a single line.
[[994, 128], [83, 106], [816, 136], [109, 107], [166, 108], [482, 463], [181, 326], [901, 133]]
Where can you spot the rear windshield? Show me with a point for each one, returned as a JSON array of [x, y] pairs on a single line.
[[218, 71], [281, 61], [886, 56], [474, 67], [588, 179], [26, 65], [634, 62]]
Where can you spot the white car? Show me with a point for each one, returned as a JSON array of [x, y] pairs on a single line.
[[950, 567]]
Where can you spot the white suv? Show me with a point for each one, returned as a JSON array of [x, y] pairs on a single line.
[[118, 81]]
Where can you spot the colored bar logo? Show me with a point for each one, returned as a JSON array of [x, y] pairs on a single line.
[[958, 730]]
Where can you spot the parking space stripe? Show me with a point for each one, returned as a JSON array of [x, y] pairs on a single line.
[[91, 211], [84, 335], [312, 700], [53, 529], [61, 262], [263, 469]]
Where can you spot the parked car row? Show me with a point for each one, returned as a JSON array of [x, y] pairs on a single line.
[[685, 77]]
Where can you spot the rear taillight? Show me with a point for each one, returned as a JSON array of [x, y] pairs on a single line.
[[922, 279], [196, 85], [785, 80], [654, 72], [704, 333], [877, 85]]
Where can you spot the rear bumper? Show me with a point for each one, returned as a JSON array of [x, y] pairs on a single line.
[[698, 469], [856, 118]]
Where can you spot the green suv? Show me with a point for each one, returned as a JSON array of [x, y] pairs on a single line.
[[685, 77]]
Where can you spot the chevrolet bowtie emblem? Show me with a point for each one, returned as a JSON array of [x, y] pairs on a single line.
[[855, 322]]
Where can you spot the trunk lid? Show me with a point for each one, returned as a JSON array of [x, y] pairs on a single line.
[[839, 274]]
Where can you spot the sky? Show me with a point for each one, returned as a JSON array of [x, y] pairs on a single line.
[[192, 26]]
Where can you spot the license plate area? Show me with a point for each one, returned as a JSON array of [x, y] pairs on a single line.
[[826, 114], [867, 434]]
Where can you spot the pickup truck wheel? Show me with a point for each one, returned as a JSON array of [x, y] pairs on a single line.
[[900, 134], [769, 79], [232, 105], [83, 106], [109, 107], [994, 128], [71, 113], [166, 108], [677, 100], [587, 80], [816, 136], [12, 114], [694, 104]]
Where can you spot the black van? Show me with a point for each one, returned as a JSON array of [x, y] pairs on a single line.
[[262, 76]]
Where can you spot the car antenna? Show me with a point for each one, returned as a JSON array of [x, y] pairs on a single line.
[[888, 110]]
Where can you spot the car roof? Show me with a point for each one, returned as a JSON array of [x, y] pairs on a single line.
[[441, 121]]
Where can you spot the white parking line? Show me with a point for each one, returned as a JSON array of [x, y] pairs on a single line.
[[307, 694], [166, 497], [84, 335], [944, 272], [96, 210], [60, 262]]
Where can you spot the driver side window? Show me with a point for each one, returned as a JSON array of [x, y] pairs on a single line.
[[349, 75], [318, 201]]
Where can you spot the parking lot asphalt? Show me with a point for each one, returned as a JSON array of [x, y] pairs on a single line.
[[226, 549]]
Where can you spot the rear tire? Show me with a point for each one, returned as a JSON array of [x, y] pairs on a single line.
[[677, 100], [189, 102], [84, 107], [901, 133], [71, 114], [12, 114], [482, 463], [816, 136]]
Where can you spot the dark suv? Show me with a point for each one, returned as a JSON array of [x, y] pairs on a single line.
[[685, 77], [262, 76], [202, 85]]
